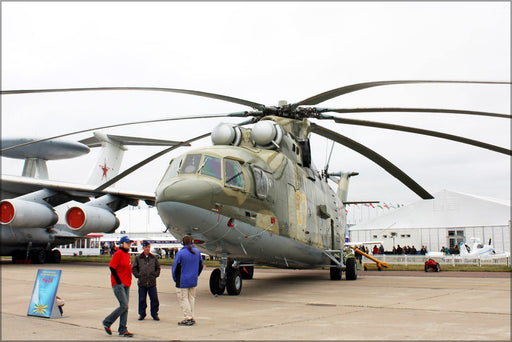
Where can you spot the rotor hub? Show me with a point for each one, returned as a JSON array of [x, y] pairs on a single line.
[[293, 112]]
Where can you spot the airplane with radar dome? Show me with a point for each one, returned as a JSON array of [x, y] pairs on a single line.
[[39, 214]]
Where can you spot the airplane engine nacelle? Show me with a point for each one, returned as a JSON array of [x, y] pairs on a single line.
[[27, 214], [89, 219]]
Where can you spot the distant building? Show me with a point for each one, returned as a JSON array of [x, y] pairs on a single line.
[[448, 219]]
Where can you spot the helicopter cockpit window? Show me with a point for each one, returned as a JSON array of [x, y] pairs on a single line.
[[211, 167], [191, 164], [234, 174], [262, 182], [174, 167]]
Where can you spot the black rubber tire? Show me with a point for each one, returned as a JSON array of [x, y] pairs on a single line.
[[38, 256], [18, 257], [216, 287], [55, 256], [351, 271], [335, 273], [247, 272], [234, 281]]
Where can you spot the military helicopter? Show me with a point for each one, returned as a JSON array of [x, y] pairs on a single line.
[[255, 197]]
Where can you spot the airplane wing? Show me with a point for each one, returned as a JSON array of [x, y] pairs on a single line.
[[39, 203], [20, 185]]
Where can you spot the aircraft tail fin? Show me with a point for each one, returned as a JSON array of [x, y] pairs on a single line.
[[463, 250], [108, 164], [109, 159], [342, 191]]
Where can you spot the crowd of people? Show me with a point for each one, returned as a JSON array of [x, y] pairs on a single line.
[[409, 250], [107, 248], [186, 269], [398, 250], [451, 250]]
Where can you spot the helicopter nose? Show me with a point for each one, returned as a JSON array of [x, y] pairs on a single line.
[[191, 191]]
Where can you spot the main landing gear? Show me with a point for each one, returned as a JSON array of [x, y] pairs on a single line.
[[337, 266], [36, 256], [229, 277]]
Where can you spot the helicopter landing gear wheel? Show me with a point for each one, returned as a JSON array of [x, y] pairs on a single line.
[[351, 271], [217, 286], [247, 272], [335, 272], [234, 281]]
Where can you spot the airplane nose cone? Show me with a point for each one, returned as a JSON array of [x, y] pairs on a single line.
[[191, 191]]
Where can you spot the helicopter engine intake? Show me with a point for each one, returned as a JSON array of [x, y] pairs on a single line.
[[267, 134], [226, 134]]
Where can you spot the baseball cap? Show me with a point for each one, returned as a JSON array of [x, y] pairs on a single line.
[[125, 239], [145, 243]]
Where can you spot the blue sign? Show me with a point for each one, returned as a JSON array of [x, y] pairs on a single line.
[[43, 301]]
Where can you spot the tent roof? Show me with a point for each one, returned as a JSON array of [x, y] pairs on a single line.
[[447, 209]]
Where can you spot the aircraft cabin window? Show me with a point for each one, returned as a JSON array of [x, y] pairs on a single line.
[[234, 174], [174, 168], [211, 167], [262, 182], [191, 164]]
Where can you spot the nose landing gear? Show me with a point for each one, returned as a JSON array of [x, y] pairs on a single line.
[[228, 277]]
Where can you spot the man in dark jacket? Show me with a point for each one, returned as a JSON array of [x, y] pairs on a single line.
[[147, 268]]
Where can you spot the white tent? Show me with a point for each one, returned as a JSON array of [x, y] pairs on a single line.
[[449, 218]]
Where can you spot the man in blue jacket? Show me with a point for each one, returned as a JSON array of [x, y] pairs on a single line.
[[186, 268]]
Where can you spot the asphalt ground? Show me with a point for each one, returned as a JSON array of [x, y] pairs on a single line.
[[275, 305]]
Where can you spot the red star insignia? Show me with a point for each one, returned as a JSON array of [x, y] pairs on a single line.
[[105, 169]]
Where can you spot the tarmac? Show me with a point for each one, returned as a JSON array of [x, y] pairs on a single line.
[[275, 305]]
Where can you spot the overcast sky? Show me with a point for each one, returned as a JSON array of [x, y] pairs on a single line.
[[266, 52]]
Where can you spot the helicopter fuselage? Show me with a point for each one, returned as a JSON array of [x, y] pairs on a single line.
[[255, 205]]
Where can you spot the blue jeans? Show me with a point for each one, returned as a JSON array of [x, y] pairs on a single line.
[[153, 297], [122, 294]]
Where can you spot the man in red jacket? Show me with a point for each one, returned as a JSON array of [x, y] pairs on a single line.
[[121, 278]]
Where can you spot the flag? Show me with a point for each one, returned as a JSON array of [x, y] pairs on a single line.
[[385, 205], [378, 205], [371, 205]]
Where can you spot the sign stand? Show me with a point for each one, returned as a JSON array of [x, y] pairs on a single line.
[[43, 302]]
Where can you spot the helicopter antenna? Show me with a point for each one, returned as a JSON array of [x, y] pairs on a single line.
[[326, 169]]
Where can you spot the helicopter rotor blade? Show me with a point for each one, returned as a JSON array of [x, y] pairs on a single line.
[[257, 106], [413, 110], [207, 116], [157, 155], [424, 132], [375, 157], [314, 100]]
